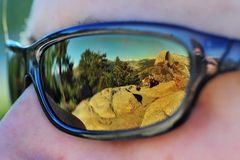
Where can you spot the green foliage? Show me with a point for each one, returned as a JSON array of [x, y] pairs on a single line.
[[100, 73], [122, 74], [144, 75], [93, 68], [68, 86]]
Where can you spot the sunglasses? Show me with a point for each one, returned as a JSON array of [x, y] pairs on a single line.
[[122, 80]]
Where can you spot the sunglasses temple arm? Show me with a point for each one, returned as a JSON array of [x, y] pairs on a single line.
[[230, 61], [20, 50]]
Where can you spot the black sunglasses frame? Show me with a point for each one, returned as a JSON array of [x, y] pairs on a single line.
[[227, 55]]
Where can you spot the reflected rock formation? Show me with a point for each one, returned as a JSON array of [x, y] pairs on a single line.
[[160, 93]]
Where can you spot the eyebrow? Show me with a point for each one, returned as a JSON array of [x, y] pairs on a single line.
[[89, 20], [31, 39]]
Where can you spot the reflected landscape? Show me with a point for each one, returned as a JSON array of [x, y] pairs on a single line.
[[114, 82]]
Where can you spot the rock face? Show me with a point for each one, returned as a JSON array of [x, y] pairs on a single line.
[[156, 112], [124, 102], [101, 103], [168, 67], [125, 107], [112, 108], [162, 57], [171, 58]]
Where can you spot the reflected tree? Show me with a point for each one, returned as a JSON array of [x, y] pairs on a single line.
[[93, 68], [122, 74], [59, 71]]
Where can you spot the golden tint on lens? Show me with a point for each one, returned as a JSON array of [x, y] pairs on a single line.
[[115, 81]]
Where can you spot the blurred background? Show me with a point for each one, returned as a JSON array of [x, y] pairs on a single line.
[[18, 11]]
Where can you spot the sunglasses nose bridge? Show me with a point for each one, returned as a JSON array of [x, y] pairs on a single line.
[[230, 61]]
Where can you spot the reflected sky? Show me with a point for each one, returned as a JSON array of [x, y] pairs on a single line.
[[127, 47]]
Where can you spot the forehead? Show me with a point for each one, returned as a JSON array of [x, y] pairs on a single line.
[[215, 16]]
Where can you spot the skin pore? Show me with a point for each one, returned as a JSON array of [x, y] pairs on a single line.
[[212, 132]]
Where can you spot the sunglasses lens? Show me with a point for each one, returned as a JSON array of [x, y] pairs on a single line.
[[115, 81]]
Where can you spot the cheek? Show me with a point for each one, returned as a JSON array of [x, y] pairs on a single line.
[[214, 124]]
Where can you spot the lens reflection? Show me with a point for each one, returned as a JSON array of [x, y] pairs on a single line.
[[115, 82]]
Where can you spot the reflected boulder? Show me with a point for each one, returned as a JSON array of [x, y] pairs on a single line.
[[102, 103], [162, 108], [124, 101]]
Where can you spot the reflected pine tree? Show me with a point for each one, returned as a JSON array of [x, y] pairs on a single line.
[[93, 68], [122, 74]]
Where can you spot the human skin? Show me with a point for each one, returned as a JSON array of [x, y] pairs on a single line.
[[211, 132]]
